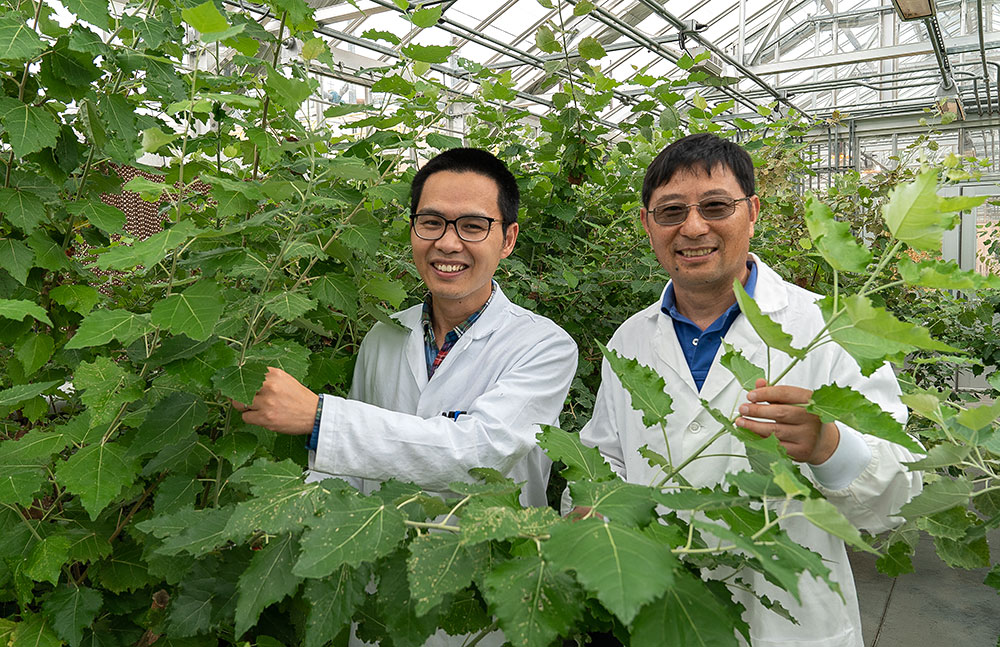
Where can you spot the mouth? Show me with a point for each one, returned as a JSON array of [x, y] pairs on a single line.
[[449, 268], [696, 252]]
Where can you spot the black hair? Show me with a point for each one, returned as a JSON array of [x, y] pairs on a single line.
[[703, 151], [472, 160]]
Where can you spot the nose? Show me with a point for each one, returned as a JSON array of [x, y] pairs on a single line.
[[694, 225], [450, 242]]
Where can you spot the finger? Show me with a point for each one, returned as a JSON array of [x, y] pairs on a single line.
[[239, 406], [785, 413], [782, 394], [762, 428]]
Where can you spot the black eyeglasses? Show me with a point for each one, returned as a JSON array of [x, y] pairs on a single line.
[[471, 229], [715, 208]]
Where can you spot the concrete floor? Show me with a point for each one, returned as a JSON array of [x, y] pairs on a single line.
[[933, 607]]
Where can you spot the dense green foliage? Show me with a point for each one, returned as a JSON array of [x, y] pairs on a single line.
[[137, 508]]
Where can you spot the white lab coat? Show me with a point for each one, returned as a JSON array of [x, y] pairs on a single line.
[[869, 500], [508, 373]]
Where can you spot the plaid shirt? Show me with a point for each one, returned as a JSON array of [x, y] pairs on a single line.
[[434, 355]]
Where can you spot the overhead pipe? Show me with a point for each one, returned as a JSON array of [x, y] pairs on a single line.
[[982, 54]]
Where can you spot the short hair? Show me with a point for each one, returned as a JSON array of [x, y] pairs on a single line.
[[472, 160], [703, 151]]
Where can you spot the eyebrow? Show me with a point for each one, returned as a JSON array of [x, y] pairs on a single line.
[[430, 211], [675, 197]]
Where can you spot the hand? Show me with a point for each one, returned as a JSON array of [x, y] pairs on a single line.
[[282, 405], [803, 435]]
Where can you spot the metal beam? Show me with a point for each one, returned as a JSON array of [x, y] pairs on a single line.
[[766, 38]]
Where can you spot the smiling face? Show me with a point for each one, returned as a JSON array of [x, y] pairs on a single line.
[[702, 256], [458, 273]]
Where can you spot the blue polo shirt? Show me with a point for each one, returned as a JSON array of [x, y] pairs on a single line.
[[700, 346]]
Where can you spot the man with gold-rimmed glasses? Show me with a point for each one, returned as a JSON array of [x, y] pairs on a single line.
[[699, 211], [468, 376]]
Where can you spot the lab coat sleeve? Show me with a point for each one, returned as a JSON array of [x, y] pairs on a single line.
[[602, 431], [872, 499], [363, 440]]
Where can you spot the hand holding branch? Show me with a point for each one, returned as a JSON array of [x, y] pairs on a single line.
[[780, 410], [282, 404]]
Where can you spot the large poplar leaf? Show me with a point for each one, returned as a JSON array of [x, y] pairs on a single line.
[[288, 305], [101, 326], [23, 464], [834, 403], [240, 383], [48, 253], [195, 532], [428, 53], [169, 422], [485, 523], [623, 567], [425, 18], [18, 41], [943, 455], [647, 388], [745, 371], [267, 580], [21, 392], [332, 601], [688, 614], [205, 17], [917, 216], [439, 564], [93, 11], [287, 509], [34, 631], [981, 417], [71, 608], [289, 356], [103, 216], [23, 209], [769, 331], [80, 299], [870, 351], [942, 494], [148, 252], [590, 48], [629, 504], [106, 387], [17, 258], [833, 239], [194, 312], [582, 462], [265, 476], [97, 474], [18, 309], [533, 603], [968, 553], [206, 599], [29, 128], [878, 321], [286, 92], [944, 275], [826, 516], [352, 531], [47, 557]]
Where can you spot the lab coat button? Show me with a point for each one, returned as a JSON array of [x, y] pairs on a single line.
[[694, 427]]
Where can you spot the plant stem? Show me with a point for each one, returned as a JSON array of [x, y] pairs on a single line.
[[719, 434], [267, 97]]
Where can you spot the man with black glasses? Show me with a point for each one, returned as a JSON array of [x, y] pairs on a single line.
[[699, 211], [468, 376]]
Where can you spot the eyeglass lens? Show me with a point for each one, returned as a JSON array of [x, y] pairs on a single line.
[[674, 213], [471, 229]]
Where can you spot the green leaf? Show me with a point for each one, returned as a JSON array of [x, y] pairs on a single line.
[[387, 36], [443, 142], [896, 561], [268, 579], [385, 289], [34, 631], [240, 383], [533, 603], [878, 321], [106, 387], [93, 11], [286, 92], [48, 253], [288, 305], [591, 49], [332, 601], [439, 564], [582, 462], [71, 608], [944, 275], [688, 614], [623, 567], [647, 388], [868, 350], [358, 530], [168, 423], [194, 312], [769, 331], [29, 128], [148, 252], [23, 209], [97, 474], [45, 562], [16, 258], [284, 510], [917, 216], [833, 239], [943, 494], [629, 504], [153, 139], [485, 523], [351, 168], [101, 326], [428, 53], [18, 42], [824, 515], [337, 291], [546, 40], [17, 394], [951, 523], [746, 373], [201, 531], [150, 190], [964, 553], [943, 455], [76, 298], [834, 403], [18, 309], [425, 18], [33, 352], [205, 18], [981, 417], [392, 84], [583, 8]]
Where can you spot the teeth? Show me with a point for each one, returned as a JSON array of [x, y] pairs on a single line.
[[696, 252], [448, 268]]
